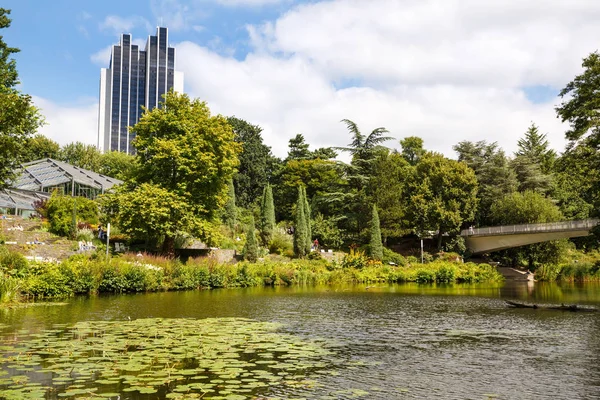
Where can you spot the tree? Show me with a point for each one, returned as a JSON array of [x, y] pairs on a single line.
[[19, 118], [61, 210], [324, 153], [39, 147], [581, 104], [298, 149], [151, 213], [442, 195], [185, 156], [536, 148], [412, 149], [530, 175], [230, 208], [80, 155], [494, 174], [257, 163], [117, 164], [300, 228], [251, 247], [375, 245], [364, 149], [308, 223], [388, 191], [528, 208], [267, 213]]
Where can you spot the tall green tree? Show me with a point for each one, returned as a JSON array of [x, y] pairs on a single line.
[[230, 208], [300, 228], [375, 245], [80, 155], [530, 175], [443, 195], [307, 217], [581, 109], [298, 149], [19, 118], [494, 174], [535, 147], [250, 250], [39, 147], [185, 152], [257, 163], [267, 214], [412, 149]]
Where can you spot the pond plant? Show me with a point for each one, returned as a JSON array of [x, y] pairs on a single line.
[[226, 358]]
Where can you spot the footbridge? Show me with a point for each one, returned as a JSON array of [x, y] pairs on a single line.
[[494, 238]]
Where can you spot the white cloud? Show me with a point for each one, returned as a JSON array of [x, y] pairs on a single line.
[[250, 2], [119, 25], [101, 57], [69, 123]]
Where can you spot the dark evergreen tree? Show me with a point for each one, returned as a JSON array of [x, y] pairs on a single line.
[[267, 214], [300, 228], [251, 247], [535, 147], [375, 245], [307, 218], [298, 149]]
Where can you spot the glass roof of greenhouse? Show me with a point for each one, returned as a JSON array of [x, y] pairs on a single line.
[[40, 174]]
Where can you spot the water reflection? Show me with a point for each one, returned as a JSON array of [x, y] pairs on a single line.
[[397, 341]]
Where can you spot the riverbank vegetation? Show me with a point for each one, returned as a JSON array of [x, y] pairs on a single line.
[[82, 274]]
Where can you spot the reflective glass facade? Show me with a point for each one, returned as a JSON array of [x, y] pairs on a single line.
[[135, 78]]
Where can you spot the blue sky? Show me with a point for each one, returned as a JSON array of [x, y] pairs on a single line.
[[444, 71]]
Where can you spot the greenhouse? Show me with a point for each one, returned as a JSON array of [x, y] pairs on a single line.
[[38, 179]]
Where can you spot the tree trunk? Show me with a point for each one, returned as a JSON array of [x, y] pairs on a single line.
[[169, 246]]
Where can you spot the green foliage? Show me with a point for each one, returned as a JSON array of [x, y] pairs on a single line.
[[257, 163], [152, 212], [495, 177], [184, 150], [250, 251], [390, 256], [281, 243], [456, 244], [375, 245], [443, 194], [307, 215], [267, 215], [80, 155], [536, 148], [412, 149], [300, 227], [298, 149], [355, 259], [230, 216], [527, 208], [39, 147], [64, 212], [327, 232], [19, 117], [117, 164]]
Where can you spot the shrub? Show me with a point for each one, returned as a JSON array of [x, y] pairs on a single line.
[[84, 234], [13, 263], [355, 259], [390, 256], [281, 243], [63, 209]]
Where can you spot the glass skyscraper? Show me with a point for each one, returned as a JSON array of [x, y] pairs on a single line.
[[134, 78]]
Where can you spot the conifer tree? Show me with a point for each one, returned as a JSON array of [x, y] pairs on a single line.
[[376, 247], [267, 213], [251, 247], [307, 212], [300, 228], [230, 210]]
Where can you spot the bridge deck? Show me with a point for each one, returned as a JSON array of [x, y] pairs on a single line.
[[583, 225]]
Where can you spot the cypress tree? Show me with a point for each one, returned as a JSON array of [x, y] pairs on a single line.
[[251, 247], [300, 228], [308, 242], [375, 247], [230, 210], [267, 213]]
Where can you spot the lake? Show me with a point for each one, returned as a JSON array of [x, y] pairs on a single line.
[[375, 342]]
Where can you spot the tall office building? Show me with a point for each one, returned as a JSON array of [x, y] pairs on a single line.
[[134, 78]]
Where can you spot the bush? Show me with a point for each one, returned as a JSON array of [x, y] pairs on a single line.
[[62, 209], [281, 243], [12, 263], [85, 235], [390, 256], [355, 259]]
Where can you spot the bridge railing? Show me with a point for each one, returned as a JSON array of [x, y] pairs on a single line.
[[532, 228]]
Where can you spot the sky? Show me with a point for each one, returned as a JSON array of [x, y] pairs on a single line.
[[443, 70]]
